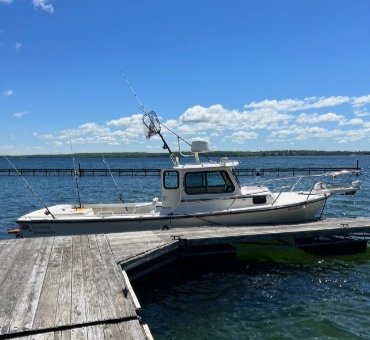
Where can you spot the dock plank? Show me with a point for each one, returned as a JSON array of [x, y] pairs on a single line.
[[63, 315], [9, 253], [112, 331], [47, 306], [78, 294], [25, 311], [106, 304], [16, 282], [132, 244], [123, 302], [92, 307], [95, 333], [131, 330]]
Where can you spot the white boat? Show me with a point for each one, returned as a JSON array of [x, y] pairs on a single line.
[[199, 194]]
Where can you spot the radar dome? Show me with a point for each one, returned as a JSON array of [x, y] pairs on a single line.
[[199, 146]]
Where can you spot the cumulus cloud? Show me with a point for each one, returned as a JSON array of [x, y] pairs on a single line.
[[114, 132], [8, 93], [361, 101], [126, 121], [242, 136], [315, 118], [333, 119], [44, 5], [293, 105]]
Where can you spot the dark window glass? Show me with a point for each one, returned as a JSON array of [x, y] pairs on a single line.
[[209, 182], [259, 199]]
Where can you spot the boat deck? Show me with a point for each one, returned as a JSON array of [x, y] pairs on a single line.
[[73, 287]]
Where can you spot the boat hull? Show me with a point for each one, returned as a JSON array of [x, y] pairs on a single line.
[[293, 213]]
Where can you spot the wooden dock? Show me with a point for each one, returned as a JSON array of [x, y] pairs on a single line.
[[156, 172], [65, 288], [76, 287], [134, 249]]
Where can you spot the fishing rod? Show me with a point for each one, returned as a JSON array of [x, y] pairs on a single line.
[[141, 106], [153, 124], [30, 187], [75, 172], [114, 181]]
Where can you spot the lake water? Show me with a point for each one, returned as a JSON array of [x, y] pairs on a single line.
[[269, 292]]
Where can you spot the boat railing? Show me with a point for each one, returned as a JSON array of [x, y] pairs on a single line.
[[306, 178], [281, 190]]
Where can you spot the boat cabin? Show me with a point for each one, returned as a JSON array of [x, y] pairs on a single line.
[[208, 183]]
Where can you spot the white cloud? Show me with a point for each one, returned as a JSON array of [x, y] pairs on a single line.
[[354, 121], [302, 133], [126, 121], [20, 114], [216, 117], [242, 136], [114, 132], [8, 93], [293, 105], [18, 46], [363, 112], [360, 101], [43, 5], [7, 2], [315, 118], [282, 121]]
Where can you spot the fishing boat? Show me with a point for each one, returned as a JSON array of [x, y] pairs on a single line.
[[193, 195]]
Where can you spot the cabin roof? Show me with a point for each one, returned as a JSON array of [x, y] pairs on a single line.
[[225, 164]]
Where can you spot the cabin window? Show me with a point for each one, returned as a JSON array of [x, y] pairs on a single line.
[[259, 199], [171, 179], [208, 182]]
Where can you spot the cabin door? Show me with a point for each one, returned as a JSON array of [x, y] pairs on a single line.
[[171, 191]]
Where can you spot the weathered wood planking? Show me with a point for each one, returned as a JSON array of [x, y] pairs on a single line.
[[64, 288], [135, 248], [139, 247], [218, 235], [125, 330]]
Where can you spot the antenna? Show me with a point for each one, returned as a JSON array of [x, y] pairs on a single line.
[[30, 188], [75, 172]]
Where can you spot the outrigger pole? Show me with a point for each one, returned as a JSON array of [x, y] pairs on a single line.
[[30, 187]]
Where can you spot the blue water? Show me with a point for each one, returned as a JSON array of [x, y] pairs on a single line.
[[269, 292]]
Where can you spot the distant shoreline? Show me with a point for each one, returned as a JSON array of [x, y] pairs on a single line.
[[277, 153]]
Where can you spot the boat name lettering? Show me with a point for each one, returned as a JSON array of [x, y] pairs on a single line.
[[294, 208]]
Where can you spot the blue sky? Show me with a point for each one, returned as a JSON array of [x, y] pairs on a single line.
[[244, 75]]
